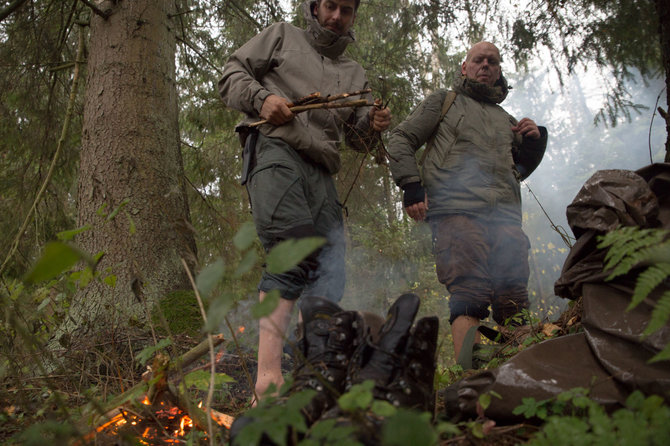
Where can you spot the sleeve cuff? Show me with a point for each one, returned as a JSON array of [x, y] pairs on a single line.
[[413, 193]]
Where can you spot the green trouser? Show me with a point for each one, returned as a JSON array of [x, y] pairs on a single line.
[[293, 198]]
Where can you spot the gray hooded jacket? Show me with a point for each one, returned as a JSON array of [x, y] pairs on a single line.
[[291, 62]]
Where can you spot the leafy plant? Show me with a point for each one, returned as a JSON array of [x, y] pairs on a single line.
[[632, 247], [574, 419], [276, 421]]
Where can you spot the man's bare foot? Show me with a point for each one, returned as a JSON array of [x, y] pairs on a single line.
[[263, 384]]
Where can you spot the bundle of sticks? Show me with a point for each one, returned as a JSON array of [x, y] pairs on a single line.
[[316, 101]]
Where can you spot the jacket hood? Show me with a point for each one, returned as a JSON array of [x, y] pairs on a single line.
[[325, 41]]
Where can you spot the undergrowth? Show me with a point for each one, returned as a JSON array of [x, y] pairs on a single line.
[[42, 404]]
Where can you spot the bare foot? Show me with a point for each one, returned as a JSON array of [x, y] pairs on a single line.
[[263, 383]]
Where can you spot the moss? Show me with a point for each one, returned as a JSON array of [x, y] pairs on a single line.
[[181, 313]]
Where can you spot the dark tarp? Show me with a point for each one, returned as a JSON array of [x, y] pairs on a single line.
[[610, 357]]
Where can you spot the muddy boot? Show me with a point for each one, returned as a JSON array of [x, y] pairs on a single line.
[[379, 361], [327, 339], [402, 361]]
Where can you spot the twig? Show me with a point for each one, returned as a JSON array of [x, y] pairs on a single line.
[[104, 14], [353, 183], [210, 392], [327, 105], [653, 115], [4, 13], [243, 359], [346, 95], [305, 99], [199, 53], [321, 105]]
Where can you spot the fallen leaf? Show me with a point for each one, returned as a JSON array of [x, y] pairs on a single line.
[[550, 330]]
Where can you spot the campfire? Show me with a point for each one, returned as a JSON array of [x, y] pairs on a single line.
[[157, 411]]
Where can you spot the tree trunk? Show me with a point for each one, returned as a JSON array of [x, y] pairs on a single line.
[[663, 9], [131, 160]]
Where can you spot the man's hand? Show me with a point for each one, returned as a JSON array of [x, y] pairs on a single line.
[[275, 110], [380, 118], [527, 128], [417, 211]]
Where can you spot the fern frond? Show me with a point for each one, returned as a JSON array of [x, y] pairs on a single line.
[[627, 247], [656, 254], [647, 281], [660, 315]]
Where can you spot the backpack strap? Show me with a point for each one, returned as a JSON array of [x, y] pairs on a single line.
[[446, 105]]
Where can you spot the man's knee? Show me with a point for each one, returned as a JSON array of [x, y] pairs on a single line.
[[470, 296], [458, 308], [509, 308]]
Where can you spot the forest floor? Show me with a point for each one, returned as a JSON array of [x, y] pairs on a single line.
[[21, 411]]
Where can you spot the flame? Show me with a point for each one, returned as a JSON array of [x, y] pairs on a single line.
[[185, 421], [118, 420], [146, 401], [240, 329]]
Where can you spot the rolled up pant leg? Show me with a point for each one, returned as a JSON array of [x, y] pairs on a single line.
[[461, 260]]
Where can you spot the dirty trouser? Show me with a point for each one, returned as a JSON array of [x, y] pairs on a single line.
[[292, 198], [481, 263]]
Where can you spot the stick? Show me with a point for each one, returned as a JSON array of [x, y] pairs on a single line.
[[356, 103], [321, 105], [305, 99], [346, 95]]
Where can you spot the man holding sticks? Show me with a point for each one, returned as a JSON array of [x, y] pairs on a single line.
[[292, 85]]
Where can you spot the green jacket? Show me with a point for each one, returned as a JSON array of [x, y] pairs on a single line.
[[470, 169], [292, 63]]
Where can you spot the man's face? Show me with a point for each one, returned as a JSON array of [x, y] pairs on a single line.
[[482, 64], [336, 15]]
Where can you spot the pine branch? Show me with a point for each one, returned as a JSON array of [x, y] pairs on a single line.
[[69, 112], [104, 14], [16, 4]]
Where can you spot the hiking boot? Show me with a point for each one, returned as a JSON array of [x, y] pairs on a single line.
[[327, 339], [402, 361]]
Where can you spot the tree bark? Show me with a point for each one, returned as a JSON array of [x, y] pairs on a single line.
[[663, 9], [131, 187]]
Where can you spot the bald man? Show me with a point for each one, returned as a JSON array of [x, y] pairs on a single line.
[[466, 185]]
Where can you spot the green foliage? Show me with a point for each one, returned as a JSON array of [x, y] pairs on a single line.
[[409, 427], [327, 432], [267, 306], [48, 432], [289, 253], [210, 277], [574, 419], [200, 379], [148, 352], [358, 397], [277, 421], [57, 258], [630, 248]]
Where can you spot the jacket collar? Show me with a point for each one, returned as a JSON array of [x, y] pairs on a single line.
[[482, 92], [326, 42]]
